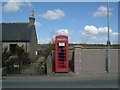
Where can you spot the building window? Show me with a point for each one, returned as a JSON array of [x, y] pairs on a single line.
[[13, 48]]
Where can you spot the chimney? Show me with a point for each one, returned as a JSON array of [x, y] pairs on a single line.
[[31, 18]]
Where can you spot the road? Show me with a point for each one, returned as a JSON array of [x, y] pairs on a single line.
[[58, 82]]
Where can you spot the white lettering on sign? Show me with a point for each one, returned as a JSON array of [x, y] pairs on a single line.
[[61, 44], [61, 39]]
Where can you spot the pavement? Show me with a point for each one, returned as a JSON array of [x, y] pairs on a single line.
[[83, 80]]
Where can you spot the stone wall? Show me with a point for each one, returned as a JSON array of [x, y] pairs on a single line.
[[94, 60], [49, 65], [33, 44], [89, 60], [77, 59]]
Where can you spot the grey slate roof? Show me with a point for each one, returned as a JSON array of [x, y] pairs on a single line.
[[16, 31]]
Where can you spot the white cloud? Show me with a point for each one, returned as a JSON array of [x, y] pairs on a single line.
[[63, 32], [44, 41], [75, 41], [101, 40], [102, 11], [104, 30], [53, 15], [92, 31], [12, 6], [104, 40], [86, 34], [38, 24], [28, 3], [115, 34], [81, 41], [52, 38]]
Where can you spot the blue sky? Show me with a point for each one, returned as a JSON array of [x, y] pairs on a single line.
[[83, 22]]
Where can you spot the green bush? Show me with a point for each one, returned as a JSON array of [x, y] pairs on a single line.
[[23, 56], [20, 56], [5, 56], [35, 59], [42, 68], [48, 50]]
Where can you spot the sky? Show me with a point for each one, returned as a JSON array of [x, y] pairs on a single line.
[[82, 22]]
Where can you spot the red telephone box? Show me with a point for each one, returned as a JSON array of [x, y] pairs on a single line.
[[61, 54]]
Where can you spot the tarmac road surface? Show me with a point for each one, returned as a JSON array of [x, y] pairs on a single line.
[[58, 82]]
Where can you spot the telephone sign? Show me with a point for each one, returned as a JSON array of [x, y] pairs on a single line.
[[61, 44]]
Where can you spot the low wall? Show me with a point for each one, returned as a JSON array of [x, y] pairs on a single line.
[[94, 60]]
